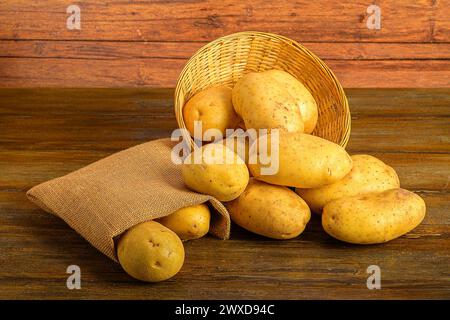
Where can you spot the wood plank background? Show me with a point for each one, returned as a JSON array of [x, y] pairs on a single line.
[[146, 43]]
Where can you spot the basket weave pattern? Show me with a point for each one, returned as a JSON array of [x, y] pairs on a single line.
[[225, 60]]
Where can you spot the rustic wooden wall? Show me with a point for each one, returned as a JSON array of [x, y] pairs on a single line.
[[146, 43]]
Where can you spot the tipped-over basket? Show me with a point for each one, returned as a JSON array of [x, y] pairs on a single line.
[[225, 60]]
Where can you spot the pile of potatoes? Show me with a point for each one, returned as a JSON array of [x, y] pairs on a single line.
[[358, 197], [153, 251]]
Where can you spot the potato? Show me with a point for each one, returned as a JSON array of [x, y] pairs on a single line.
[[272, 211], [263, 103], [368, 174], [304, 161], [213, 107], [374, 217], [150, 252], [215, 170], [188, 223], [304, 100]]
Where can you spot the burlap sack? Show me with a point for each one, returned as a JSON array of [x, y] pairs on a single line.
[[107, 197]]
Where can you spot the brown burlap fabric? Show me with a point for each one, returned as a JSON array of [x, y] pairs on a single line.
[[107, 197]]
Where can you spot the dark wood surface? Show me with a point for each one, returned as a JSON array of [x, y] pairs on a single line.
[[48, 133], [146, 43]]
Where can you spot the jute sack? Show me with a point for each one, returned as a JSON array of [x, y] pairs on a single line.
[[107, 197]]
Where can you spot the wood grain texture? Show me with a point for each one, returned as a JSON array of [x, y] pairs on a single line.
[[112, 50], [164, 72], [50, 132], [403, 21], [132, 44], [119, 129]]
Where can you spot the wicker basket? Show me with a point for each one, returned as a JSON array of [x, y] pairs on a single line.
[[225, 60]]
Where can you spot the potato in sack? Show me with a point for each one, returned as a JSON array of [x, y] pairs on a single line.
[[188, 223], [150, 252]]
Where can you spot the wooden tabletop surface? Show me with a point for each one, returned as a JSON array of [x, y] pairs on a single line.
[[46, 133]]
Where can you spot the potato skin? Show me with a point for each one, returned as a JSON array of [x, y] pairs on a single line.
[[268, 210], [303, 98], [265, 104], [150, 252], [188, 223], [221, 173], [374, 217], [305, 161], [213, 107], [368, 174]]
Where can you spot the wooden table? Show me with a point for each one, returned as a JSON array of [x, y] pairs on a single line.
[[46, 133]]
